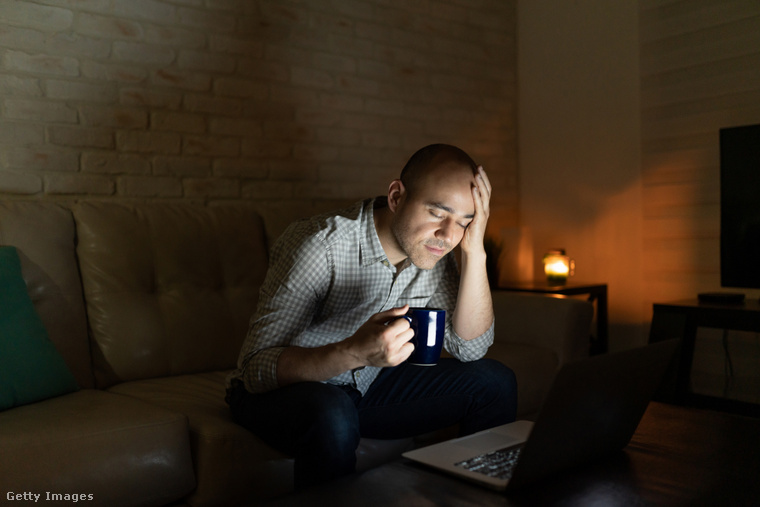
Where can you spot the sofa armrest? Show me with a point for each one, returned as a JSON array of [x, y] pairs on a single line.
[[560, 324]]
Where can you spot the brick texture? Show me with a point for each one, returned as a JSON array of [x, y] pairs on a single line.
[[256, 100]]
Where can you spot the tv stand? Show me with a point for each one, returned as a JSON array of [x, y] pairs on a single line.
[[680, 319], [733, 298]]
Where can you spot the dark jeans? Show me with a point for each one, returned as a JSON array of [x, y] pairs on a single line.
[[320, 425]]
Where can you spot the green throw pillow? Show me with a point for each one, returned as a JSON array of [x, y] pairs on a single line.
[[31, 369]]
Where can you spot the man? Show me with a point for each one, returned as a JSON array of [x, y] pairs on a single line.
[[323, 362]]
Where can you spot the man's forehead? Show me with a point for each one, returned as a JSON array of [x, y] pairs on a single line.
[[449, 172], [448, 186]]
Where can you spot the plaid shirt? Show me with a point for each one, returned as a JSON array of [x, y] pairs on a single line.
[[328, 275]]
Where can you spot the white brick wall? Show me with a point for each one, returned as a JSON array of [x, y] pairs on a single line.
[[263, 100]]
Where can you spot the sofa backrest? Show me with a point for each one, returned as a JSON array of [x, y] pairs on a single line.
[[169, 288], [44, 235]]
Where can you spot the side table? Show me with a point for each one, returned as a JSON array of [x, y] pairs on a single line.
[[597, 293]]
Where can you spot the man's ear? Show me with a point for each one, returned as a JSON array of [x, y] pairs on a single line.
[[396, 193]]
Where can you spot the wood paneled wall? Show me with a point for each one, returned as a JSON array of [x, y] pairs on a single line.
[[700, 67], [700, 71]]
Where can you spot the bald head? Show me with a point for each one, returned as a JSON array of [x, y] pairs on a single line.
[[429, 207], [432, 159]]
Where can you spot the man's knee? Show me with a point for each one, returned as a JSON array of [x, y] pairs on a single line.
[[496, 372], [496, 383], [331, 407], [500, 377], [331, 420], [329, 437], [490, 373], [300, 417]]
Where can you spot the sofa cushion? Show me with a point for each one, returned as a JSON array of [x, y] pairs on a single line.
[[230, 461], [43, 233], [31, 369], [535, 368], [170, 288], [121, 450], [561, 324]]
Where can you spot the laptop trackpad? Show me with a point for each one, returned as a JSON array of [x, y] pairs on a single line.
[[487, 441]]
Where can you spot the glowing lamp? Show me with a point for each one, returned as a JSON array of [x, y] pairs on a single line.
[[558, 266]]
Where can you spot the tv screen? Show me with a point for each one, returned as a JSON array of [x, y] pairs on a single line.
[[740, 207]]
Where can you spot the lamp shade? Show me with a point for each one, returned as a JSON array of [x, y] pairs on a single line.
[[558, 266]]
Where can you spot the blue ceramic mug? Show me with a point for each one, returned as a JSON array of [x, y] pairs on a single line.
[[429, 326]]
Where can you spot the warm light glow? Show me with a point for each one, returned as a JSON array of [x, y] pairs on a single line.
[[557, 267]]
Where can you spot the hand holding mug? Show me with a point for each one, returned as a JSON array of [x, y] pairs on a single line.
[[383, 340]]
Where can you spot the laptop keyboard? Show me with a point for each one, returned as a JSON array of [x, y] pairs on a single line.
[[498, 464]]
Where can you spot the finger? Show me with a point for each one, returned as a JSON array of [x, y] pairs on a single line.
[[398, 344], [485, 202], [486, 181], [400, 310], [476, 229], [481, 204], [405, 335], [399, 325], [484, 185], [477, 200], [400, 354], [387, 315], [403, 353]]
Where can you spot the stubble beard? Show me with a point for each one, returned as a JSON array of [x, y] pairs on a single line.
[[416, 252]]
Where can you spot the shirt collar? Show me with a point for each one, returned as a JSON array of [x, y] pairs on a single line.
[[370, 247]]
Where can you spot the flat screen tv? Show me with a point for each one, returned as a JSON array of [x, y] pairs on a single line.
[[740, 207]]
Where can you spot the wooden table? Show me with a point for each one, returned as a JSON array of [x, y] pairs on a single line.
[[679, 456]]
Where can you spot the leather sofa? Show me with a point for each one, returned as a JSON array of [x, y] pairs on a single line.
[[148, 305]]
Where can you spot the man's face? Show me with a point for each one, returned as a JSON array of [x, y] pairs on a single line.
[[431, 219]]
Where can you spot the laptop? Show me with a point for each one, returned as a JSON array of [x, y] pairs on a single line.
[[591, 410]]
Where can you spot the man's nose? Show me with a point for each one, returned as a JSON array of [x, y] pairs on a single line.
[[446, 231]]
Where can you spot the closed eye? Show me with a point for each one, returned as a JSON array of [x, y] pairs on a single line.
[[438, 211]]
